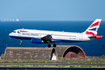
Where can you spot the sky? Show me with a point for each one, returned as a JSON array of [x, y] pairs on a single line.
[[52, 10]]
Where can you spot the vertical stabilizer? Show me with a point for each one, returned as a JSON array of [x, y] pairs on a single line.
[[93, 28]]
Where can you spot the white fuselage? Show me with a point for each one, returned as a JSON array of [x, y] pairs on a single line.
[[56, 35]]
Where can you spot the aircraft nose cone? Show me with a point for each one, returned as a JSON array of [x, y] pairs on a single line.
[[10, 34]]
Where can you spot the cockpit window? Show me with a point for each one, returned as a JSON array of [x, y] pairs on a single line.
[[14, 32]]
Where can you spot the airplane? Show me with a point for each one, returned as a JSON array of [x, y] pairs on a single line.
[[44, 36]]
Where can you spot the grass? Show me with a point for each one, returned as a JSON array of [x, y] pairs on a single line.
[[26, 61], [57, 66], [103, 56], [86, 62]]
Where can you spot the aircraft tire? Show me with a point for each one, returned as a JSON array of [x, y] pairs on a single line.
[[49, 45], [54, 45]]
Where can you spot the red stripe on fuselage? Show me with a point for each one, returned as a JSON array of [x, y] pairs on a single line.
[[95, 24], [23, 31]]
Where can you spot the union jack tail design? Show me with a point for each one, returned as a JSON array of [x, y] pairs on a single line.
[[93, 28]]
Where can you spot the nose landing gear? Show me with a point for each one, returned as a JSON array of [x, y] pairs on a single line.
[[54, 45], [20, 42]]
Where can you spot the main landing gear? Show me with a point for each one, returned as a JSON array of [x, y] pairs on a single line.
[[20, 42], [54, 45], [49, 45]]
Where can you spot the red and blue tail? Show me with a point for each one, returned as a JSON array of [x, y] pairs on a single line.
[[93, 28]]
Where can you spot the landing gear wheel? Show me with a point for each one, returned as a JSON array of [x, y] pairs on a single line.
[[54, 45], [49, 45]]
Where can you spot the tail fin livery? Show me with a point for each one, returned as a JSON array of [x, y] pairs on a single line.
[[93, 28]]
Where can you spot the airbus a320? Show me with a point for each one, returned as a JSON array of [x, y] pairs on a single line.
[[43, 36]]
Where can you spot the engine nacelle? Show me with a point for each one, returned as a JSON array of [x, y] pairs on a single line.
[[35, 40]]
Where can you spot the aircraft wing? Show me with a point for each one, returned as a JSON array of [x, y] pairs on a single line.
[[47, 39]]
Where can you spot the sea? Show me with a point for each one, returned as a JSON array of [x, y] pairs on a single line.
[[91, 48]]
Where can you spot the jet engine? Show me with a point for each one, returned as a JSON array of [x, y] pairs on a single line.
[[35, 40]]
